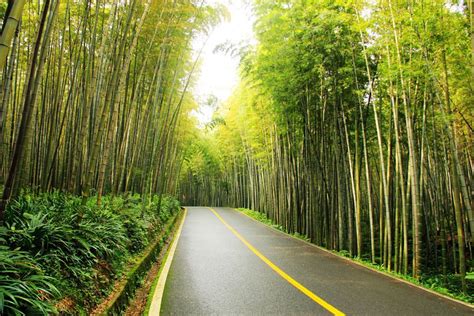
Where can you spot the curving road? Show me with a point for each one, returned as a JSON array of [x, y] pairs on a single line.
[[226, 263]]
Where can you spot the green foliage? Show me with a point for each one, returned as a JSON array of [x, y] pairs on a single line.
[[263, 218], [80, 247], [470, 276], [201, 173], [3, 10], [449, 285], [257, 216], [135, 276], [24, 288]]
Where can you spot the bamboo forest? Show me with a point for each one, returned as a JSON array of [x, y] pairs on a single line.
[[350, 126]]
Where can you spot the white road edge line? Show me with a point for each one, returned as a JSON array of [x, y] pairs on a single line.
[[160, 288]]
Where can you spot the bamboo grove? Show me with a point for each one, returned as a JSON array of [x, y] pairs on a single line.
[[353, 125], [95, 94]]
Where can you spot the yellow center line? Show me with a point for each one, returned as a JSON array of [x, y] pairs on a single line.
[[282, 273]]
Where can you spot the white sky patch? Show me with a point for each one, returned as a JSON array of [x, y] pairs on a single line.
[[455, 6], [219, 73]]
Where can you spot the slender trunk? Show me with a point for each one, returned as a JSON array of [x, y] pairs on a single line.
[[14, 10], [36, 66]]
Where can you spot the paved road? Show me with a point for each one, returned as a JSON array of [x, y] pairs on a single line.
[[215, 273]]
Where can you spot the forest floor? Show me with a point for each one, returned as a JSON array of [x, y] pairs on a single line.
[[226, 262]]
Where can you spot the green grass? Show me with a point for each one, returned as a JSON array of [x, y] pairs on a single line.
[[432, 282], [261, 217]]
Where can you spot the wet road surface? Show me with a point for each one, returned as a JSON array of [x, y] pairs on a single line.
[[213, 272]]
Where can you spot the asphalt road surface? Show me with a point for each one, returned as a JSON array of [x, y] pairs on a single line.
[[228, 264]]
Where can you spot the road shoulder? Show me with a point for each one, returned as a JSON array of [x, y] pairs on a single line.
[[155, 305]]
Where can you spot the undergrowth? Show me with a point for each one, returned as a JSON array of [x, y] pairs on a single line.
[[60, 254]]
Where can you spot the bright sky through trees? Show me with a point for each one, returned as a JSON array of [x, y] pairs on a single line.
[[219, 70]]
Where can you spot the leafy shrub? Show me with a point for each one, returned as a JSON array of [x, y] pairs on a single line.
[[450, 285], [24, 289], [136, 230], [76, 245], [168, 207]]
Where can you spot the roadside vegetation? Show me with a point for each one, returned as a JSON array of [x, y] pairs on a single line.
[[352, 125], [59, 254]]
